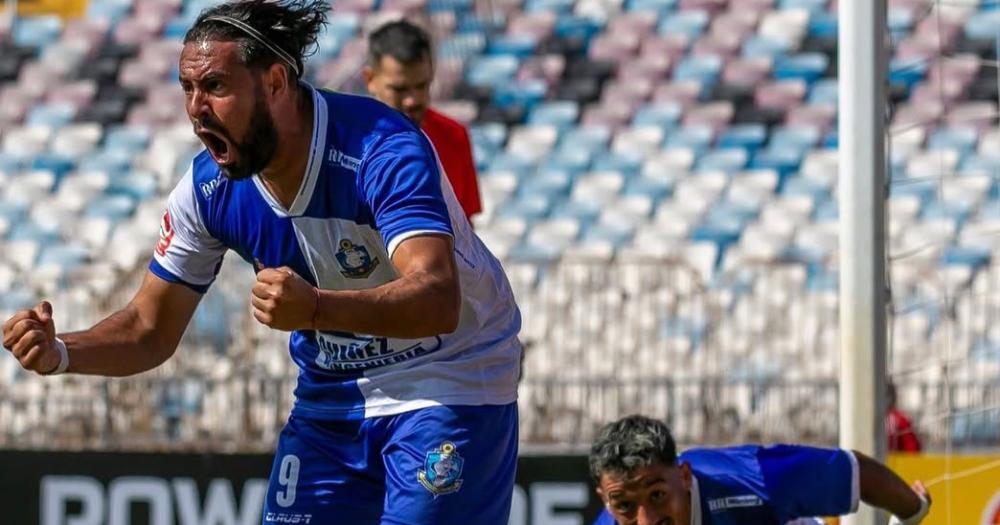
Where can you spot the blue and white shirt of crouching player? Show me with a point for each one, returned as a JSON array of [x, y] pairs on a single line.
[[642, 481]]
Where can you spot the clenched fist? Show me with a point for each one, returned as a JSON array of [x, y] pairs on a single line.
[[31, 336], [284, 301]]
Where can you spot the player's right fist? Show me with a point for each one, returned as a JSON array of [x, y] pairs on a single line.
[[31, 336]]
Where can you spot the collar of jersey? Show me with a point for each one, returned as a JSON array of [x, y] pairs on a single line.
[[318, 144], [695, 501]]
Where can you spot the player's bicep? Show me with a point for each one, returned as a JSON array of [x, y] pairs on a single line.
[[163, 310], [429, 253], [809, 481], [428, 263]]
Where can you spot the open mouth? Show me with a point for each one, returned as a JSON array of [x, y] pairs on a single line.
[[218, 147]]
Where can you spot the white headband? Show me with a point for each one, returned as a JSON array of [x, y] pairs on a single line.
[[248, 29]]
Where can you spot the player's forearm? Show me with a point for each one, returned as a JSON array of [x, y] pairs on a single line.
[[882, 488], [415, 306], [120, 345]]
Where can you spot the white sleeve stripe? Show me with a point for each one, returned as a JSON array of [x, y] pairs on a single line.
[[855, 481], [168, 264], [398, 239]]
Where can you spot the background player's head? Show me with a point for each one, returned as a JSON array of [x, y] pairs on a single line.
[[240, 70], [401, 67], [634, 464]]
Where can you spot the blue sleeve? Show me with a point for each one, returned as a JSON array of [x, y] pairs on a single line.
[[808, 481], [605, 519], [401, 183]]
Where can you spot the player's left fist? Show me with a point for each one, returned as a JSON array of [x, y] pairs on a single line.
[[282, 300]]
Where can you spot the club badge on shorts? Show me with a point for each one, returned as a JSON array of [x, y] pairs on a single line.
[[442, 468]]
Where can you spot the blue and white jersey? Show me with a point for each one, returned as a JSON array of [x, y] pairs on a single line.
[[372, 181], [775, 485]]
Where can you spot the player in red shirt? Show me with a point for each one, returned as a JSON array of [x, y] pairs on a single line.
[[898, 428], [399, 73]]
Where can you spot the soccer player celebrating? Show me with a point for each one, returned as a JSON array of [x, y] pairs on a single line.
[[399, 72], [403, 324], [642, 481]]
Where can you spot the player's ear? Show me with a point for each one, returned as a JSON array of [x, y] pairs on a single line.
[[368, 73], [685, 469], [600, 494], [276, 79]]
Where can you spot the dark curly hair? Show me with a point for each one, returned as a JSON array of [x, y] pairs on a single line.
[[631, 443], [290, 25]]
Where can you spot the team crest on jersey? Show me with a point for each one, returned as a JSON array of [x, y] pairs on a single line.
[[355, 260], [442, 468]]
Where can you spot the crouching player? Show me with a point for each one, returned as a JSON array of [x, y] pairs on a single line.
[[643, 481]]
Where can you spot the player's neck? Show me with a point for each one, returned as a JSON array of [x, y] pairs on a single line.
[[283, 176]]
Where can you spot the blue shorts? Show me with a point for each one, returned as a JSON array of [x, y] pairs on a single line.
[[444, 464]]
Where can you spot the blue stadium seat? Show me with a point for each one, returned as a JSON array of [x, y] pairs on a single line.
[[823, 24], [696, 138], [59, 165], [584, 28], [660, 7], [747, 136], [784, 160], [492, 135], [52, 115], [573, 161], [551, 184], [37, 31], [656, 188], [665, 116], [14, 211], [594, 138], [973, 257], [823, 92], [827, 211], [112, 161], [907, 72], [562, 7], [798, 138], [961, 139], [512, 162], [520, 46], [813, 188], [462, 46], [528, 206], [111, 10], [32, 231], [983, 25], [806, 66], [130, 139], [561, 114], [814, 7], [491, 71], [627, 163], [730, 160], [534, 253], [758, 45], [704, 69], [583, 211], [527, 94], [114, 207], [137, 185], [616, 234], [455, 6], [65, 256], [691, 24]]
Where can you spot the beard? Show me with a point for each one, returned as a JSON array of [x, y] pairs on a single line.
[[253, 153]]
